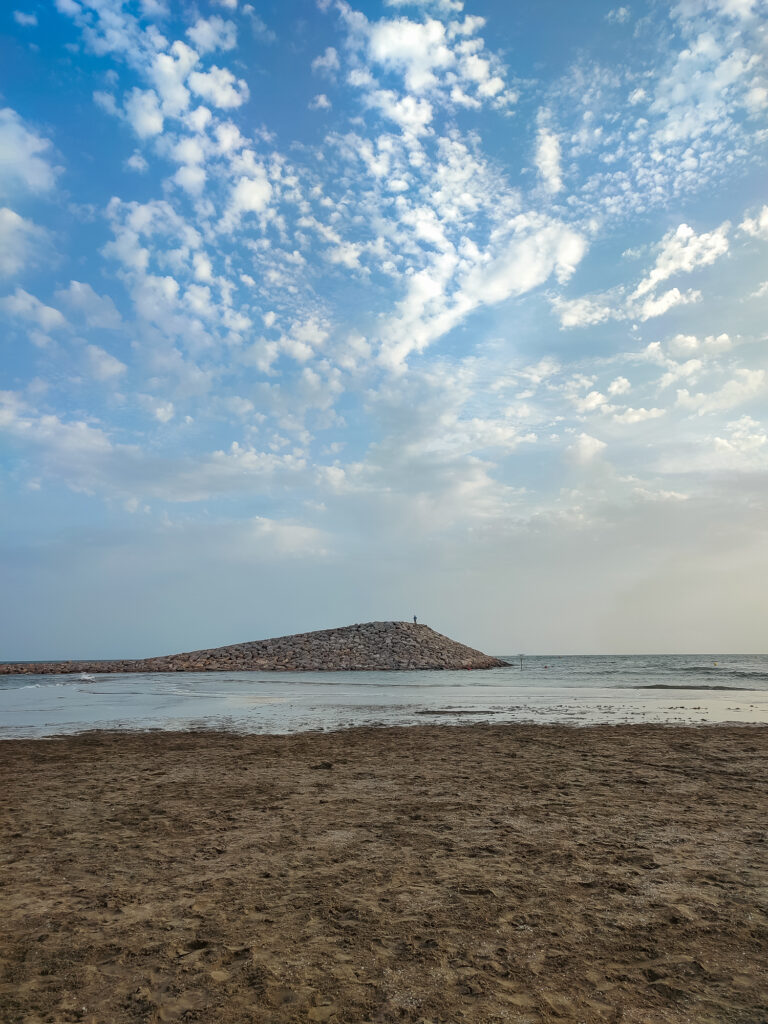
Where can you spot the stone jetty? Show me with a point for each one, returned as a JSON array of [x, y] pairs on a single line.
[[366, 646]]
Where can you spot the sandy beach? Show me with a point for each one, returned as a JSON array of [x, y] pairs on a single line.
[[431, 874]]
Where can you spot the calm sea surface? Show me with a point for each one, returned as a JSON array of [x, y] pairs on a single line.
[[576, 690]]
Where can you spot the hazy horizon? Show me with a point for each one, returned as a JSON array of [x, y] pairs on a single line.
[[315, 312], [507, 654]]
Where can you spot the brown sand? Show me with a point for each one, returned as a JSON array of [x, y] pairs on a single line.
[[502, 873]]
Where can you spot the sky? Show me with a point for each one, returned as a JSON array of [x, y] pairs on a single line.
[[316, 312]]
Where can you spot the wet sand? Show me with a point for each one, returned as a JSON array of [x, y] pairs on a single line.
[[430, 874]]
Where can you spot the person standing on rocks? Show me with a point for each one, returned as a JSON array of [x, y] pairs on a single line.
[[414, 620]]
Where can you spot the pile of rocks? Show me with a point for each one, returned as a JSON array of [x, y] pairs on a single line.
[[367, 646]]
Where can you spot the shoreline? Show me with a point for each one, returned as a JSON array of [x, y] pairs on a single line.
[[439, 723], [523, 873]]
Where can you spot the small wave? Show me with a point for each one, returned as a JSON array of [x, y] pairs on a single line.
[[719, 670], [38, 686], [684, 686]]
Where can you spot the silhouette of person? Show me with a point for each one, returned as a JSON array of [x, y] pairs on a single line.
[[414, 620]]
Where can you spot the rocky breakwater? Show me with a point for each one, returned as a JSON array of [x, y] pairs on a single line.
[[367, 646]]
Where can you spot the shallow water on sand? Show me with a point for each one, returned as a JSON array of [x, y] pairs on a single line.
[[576, 690]]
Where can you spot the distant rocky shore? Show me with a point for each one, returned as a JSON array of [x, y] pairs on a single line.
[[367, 646]]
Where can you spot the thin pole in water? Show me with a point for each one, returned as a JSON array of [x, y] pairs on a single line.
[[521, 661]]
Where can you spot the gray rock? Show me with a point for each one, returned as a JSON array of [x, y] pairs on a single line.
[[367, 646]]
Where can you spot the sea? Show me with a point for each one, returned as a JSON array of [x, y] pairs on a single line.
[[571, 690]]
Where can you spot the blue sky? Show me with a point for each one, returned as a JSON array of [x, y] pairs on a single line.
[[321, 312]]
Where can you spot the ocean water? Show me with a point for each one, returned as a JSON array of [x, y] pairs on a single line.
[[572, 690]]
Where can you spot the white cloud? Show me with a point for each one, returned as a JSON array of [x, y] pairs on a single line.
[[688, 10], [412, 114], [319, 102], [631, 415], [28, 307], [688, 344], [618, 14], [262, 354], [107, 102], [203, 267], [717, 343], [478, 71], [25, 20], [434, 59], [102, 365], [156, 9], [619, 386], [240, 406], [655, 305], [745, 448], [417, 49], [191, 178], [681, 251], [548, 156], [580, 312], [303, 339], [327, 63], [538, 249], [96, 310], [142, 110], [684, 344], [136, 162], [740, 446], [438, 298], [756, 226], [197, 120], [591, 402], [135, 221], [586, 449], [23, 157], [443, 6], [190, 150], [756, 99], [745, 385], [240, 469], [198, 299], [699, 91], [209, 34], [20, 242], [168, 73], [164, 412], [219, 86], [250, 194], [228, 137], [74, 449], [156, 298], [86, 458]]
